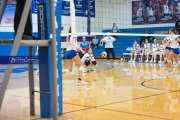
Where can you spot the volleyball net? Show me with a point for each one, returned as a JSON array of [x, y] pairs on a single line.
[[126, 20]]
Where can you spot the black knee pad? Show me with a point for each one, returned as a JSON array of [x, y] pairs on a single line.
[[94, 62], [87, 62]]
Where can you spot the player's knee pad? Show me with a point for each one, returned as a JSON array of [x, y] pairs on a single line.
[[169, 61], [67, 71], [94, 63], [81, 68], [87, 62]]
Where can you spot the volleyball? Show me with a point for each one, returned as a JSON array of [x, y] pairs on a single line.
[[103, 54]]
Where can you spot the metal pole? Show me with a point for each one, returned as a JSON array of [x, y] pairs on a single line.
[[31, 84], [2, 8], [14, 49], [54, 62], [89, 18]]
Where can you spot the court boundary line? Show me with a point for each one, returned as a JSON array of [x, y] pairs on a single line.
[[97, 107]]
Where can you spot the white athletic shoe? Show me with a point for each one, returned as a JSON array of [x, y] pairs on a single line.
[[168, 72], [146, 61], [175, 65], [115, 62], [134, 61], [160, 62], [130, 60], [154, 61], [92, 69], [36, 72], [151, 61], [81, 82]]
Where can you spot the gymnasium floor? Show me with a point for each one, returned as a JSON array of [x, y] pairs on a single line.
[[127, 91]]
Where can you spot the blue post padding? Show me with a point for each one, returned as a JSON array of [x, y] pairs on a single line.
[[45, 70], [45, 80], [59, 62]]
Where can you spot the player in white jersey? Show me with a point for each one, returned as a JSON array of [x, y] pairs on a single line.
[[146, 50], [175, 50], [167, 49], [139, 11], [109, 47], [88, 60], [135, 51], [155, 47], [71, 55], [161, 51]]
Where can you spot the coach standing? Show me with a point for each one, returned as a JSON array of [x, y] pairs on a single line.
[[177, 25]]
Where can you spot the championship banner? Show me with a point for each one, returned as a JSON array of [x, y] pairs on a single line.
[[65, 8], [92, 8], [81, 7], [138, 12]]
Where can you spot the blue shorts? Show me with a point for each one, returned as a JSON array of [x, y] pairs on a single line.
[[175, 51], [71, 54], [168, 48]]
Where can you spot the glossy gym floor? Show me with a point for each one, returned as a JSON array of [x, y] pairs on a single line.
[[127, 91]]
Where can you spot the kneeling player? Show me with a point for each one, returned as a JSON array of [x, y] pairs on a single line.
[[88, 60]]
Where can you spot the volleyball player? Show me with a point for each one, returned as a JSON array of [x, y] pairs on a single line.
[[139, 11], [167, 50], [175, 50], [146, 50], [88, 60], [135, 51], [109, 47], [155, 47], [71, 55], [161, 51]]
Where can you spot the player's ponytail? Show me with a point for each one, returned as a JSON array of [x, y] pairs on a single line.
[[69, 32], [173, 30]]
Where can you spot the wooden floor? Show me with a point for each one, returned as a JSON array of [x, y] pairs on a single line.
[[136, 91]]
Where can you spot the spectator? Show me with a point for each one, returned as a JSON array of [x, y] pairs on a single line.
[[94, 42], [84, 45], [177, 25], [115, 29], [135, 51], [27, 35]]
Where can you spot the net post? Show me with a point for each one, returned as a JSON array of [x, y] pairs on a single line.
[[31, 84], [89, 18], [54, 62]]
